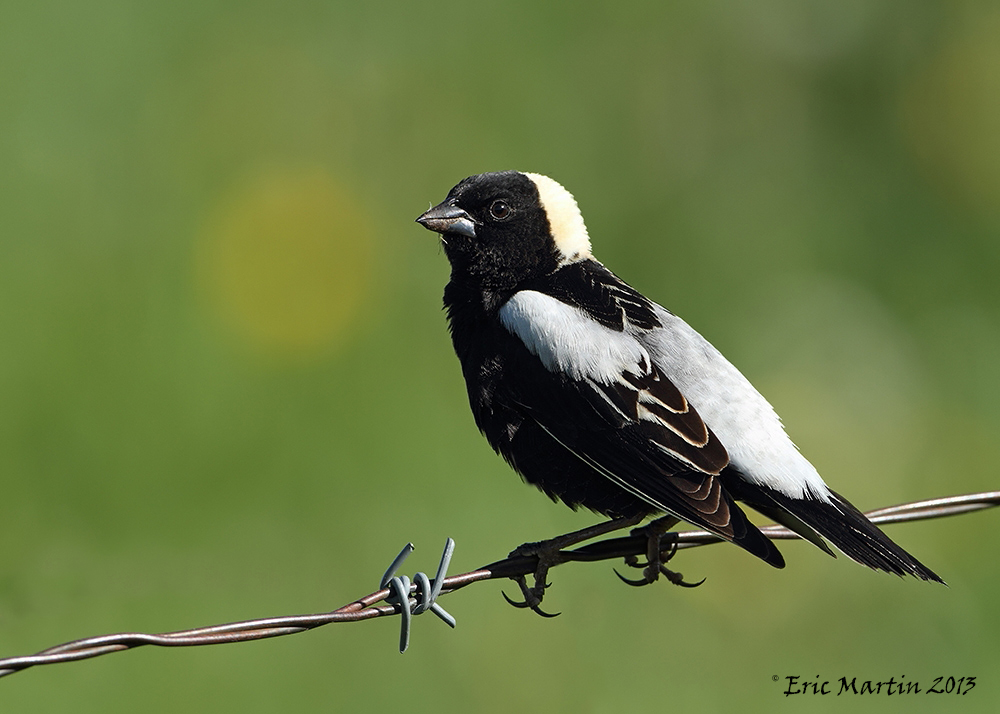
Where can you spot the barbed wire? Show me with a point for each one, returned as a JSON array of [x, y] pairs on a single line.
[[421, 593]]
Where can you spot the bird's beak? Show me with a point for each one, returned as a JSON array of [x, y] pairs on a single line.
[[447, 218]]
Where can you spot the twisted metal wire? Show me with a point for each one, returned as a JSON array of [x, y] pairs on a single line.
[[420, 598]]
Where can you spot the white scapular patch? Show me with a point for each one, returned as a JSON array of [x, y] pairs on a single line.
[[567, 340], [733, 409], [568, 229]]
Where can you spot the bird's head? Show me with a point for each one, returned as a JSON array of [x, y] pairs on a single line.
[[506, 227]]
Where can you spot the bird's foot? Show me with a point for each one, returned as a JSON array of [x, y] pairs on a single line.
[[532, 595], [548, 554], [657, 554]]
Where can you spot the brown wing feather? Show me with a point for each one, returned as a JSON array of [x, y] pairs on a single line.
[[656, 407]]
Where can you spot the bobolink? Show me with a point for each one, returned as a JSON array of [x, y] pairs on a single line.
[[601, 398]]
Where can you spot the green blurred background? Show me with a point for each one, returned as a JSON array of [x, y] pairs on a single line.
[[227, 390]]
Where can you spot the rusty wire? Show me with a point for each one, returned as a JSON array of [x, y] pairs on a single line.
[[367, 607]]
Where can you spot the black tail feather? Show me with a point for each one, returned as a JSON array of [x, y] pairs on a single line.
[[850, 530], [786, 519], [749, 537]]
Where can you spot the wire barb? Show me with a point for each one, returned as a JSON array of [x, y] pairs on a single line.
[[368, 607], [425, 590]]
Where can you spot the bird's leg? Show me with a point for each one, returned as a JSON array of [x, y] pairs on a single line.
[[554, 545], [547, 553], [656, 555]]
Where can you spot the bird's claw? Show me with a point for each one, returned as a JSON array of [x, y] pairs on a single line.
[[532, 596], [514, 603], [678, 579], [656, 555], [638, 582], [650, 576]]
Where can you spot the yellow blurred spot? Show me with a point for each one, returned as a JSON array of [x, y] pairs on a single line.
[[285, 261], [951, 113]]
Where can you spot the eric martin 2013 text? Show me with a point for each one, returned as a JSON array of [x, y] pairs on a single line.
[[889, 687]]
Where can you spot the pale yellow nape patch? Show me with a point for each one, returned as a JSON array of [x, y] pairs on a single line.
[[565, 221]]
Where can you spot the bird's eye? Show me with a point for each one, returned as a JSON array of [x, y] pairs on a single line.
[[500, 210]]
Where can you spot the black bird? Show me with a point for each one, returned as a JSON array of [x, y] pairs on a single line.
[[603, 399]]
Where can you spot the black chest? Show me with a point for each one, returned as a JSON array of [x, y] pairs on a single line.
[[487, 352], [508, 387]]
